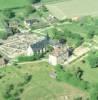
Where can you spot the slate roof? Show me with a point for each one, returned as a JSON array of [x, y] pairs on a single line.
[[40, 44]]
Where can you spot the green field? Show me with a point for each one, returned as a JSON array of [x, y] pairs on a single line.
[[4, 4], [74, 8], [41, 86]]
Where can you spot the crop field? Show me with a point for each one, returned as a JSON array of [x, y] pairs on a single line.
[[40, 87], [4, 4], [74, 8]]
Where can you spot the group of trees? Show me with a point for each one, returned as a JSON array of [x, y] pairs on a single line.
[[75, 39], [13, 91], [76, 80]]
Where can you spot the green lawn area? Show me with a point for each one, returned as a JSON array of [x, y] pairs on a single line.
[[13, 3], [90, 74], [74, 8], [41, 86]]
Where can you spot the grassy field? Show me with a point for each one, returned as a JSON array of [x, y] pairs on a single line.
[[13, 3], [41, 87], [74, 8]]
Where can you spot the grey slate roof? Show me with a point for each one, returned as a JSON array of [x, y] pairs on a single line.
[[40, 44]]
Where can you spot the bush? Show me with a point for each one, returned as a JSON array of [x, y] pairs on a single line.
[[30, 58], [27, 78]]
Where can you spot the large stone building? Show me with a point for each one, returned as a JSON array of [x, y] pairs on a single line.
[[59, 55]]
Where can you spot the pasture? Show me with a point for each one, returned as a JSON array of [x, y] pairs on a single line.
[[74, 8], [40, 87]]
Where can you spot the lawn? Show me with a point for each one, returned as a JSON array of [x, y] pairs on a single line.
[[41, 86], [74, 8], [4, 4]]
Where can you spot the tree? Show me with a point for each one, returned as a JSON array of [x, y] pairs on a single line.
[[35, 1], [93, 59], [27, 78], [62, 41], [9, 13], [91, 34], [79, 73]]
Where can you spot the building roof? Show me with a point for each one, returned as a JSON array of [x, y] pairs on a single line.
[[40, 44], [59, 51]]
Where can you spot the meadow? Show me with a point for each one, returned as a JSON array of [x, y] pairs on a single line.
[[40, 87], [73, 8]]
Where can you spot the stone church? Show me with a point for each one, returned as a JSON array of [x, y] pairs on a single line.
[[39, 46]]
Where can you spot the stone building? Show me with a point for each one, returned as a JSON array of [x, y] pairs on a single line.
[[59, 55]]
